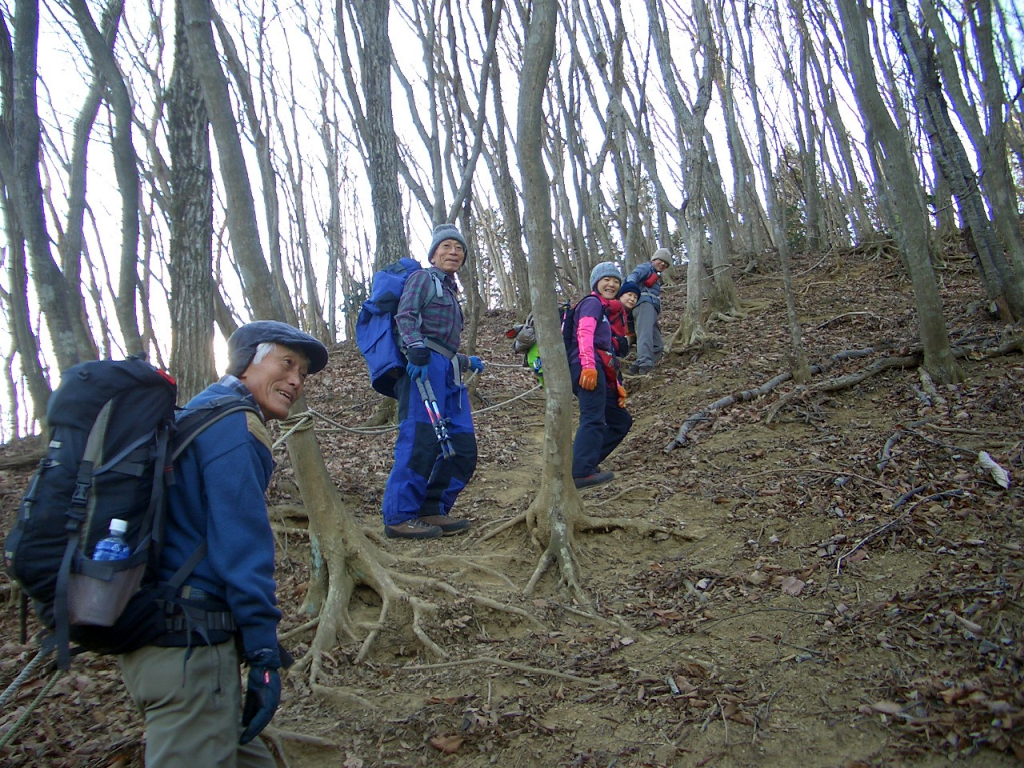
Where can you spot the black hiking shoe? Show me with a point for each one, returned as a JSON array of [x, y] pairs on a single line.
[[449, 525], [638, 370], [412, 529], [598, 478]]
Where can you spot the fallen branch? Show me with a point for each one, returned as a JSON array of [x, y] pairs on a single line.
[[896, 521], [705, 414]]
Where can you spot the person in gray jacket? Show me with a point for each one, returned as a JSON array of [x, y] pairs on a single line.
[[649, 345]]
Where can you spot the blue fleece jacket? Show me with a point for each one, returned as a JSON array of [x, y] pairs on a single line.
[[218, 495]]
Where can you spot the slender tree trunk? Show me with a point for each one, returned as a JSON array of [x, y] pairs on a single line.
[[55, 296], [261, 289], [952, 158], [552, 509], [776, 214], [911, 223], [125, 168], [191, 222], [376, 126]]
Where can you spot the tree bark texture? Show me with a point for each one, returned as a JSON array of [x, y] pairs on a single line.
[[900, 176], [557, 498], [260, 288], [952, 160], [191, 222], [125, 168], [55, 296], [377, 130]]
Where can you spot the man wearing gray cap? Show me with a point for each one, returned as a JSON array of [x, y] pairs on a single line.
[[649, 345], [186, 683], [425, 482]]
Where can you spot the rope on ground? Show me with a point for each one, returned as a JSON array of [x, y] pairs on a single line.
[[31, 708], [27, 672], [506, 402], [385, 430]]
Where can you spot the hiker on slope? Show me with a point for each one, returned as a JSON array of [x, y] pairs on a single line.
[[423, 484], [604, 420], [186, 683], [649, 345]]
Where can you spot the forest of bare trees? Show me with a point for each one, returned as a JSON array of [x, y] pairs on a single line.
[[171, 171], [260, 161]]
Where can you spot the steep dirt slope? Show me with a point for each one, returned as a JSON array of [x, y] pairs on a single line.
[[847, 591]]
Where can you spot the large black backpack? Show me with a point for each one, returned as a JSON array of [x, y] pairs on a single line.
[[113, 440]]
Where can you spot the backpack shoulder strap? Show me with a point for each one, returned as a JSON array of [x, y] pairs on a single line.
[[188, 429], [196, 422]]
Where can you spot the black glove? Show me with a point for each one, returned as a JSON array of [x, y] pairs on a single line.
[[262, 692], [621, 344], [418, 356]]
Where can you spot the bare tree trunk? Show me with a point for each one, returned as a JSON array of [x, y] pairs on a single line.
[[911, 223], [125, 168], [952, 158], [20, 313], [261, 289], [798, 357], [990, 144], [689, 129], [508, 200], [550, 515], [375, 123], [264, 160], [55, 296], [191, 223]]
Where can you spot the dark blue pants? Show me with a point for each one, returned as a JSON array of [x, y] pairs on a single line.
[[603, 423], [422, 482]]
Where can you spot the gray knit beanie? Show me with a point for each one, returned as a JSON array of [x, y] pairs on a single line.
[[604, 269], [444, 232], [664, 254]]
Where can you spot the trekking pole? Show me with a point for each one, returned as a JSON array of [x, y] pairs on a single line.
[[436, 420]]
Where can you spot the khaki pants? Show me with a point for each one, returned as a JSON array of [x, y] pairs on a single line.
[[192, 710]]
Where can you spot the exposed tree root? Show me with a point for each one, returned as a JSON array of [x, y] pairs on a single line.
[[642, 527], [344, 558], [738, 311]]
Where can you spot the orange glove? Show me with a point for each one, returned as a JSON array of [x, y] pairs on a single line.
[[588, 379], [622, 395]]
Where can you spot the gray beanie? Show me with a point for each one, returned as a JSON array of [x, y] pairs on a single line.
[[243, 343], [604, 269], [664, 255], [444, 232]]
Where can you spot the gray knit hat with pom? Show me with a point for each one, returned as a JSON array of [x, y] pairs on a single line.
[[604, 269], [444, 232]]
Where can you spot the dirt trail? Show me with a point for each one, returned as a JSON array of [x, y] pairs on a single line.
[[754, 644]]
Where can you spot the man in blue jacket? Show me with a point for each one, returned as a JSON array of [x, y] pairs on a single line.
[[186, 684], [649, 345], [424, 484]]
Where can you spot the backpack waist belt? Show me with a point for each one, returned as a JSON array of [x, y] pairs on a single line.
[[196, 611]]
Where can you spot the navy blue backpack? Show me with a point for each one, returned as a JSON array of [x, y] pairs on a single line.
[[113, 441], [376, 335]]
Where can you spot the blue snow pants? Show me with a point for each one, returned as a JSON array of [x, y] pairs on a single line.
[[423, 482]]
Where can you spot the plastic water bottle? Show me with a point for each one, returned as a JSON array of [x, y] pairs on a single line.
[[114, 547]]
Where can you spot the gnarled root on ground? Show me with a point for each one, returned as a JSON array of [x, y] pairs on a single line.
[[343, 559]]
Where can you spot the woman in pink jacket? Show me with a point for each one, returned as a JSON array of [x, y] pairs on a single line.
[[604, 420]]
